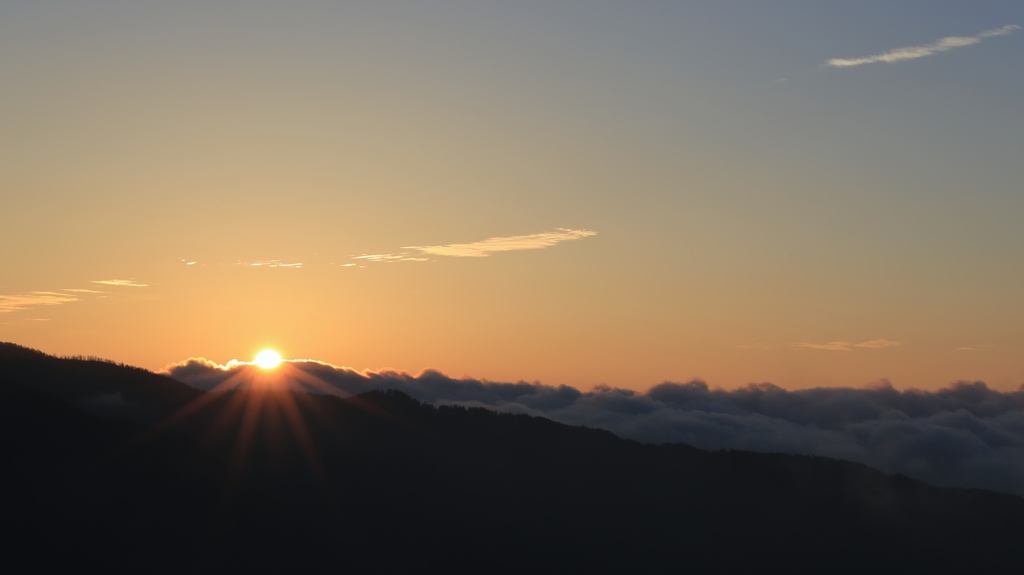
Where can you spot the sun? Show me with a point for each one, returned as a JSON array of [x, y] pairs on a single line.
[[267, 359]]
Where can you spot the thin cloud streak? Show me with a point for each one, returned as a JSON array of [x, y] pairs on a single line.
[[482, 248], [485, 248], [831, 346], [269, 264], [849, 346], [120, 283], [388, 258], [878, 344], [21, 302], [979, 347], [915, 52], [26, 301]]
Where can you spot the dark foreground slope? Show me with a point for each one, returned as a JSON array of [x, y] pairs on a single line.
[[119, 468]]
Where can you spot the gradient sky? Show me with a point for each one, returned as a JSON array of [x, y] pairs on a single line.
[[576, 192]]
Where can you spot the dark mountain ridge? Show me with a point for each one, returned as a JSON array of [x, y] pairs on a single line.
[[115, 467]]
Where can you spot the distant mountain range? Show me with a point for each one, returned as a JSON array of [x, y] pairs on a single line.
[[112, 467]]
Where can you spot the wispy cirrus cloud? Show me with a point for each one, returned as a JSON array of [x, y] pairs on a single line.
[[120, 283], [33, 299], [478, 249], [21, 302], [484, 248], [878, 344], [850, 346], [402, 257], [979, 347], [831, 346], [273, 264], [915, 52]]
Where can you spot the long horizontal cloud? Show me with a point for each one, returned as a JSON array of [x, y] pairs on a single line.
[[849, 346], [914, 52], [271, 264], [120, 283], [963, 435], [403, 257], [27, 301], [20, 302], [484, 248]]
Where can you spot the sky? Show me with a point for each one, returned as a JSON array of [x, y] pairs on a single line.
[[572, 192]]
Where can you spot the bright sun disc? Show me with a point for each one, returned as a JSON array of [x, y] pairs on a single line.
[[268, 359]]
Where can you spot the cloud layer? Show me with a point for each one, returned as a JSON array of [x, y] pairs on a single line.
[[963, 435], [914, 52]]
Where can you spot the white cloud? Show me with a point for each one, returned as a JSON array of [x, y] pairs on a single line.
[[120, 283], [914, 52], [484, 248], [273, 264], [387, 258]]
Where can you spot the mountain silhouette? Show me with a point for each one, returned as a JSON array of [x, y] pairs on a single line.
[[113, 467]]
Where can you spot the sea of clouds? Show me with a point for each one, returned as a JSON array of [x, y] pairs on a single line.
[[965, 435]]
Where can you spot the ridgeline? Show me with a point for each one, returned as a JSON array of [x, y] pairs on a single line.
[[116, 468]]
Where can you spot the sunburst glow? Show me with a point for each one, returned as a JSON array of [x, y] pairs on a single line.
[[268, 359]]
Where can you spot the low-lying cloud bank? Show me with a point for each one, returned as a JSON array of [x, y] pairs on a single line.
[[964, 435]]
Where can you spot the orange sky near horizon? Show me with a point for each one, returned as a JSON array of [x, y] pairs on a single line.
[[561, 193]]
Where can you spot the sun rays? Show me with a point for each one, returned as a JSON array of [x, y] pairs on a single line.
[[265, 409], [262, 405]]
